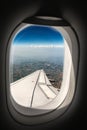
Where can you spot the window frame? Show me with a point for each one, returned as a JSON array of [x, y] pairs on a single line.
[[41, 116]]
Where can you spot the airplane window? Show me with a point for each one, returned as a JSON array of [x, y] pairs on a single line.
[[36, 65], [41, 70]]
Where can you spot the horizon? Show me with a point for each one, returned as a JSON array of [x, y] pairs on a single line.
[[39, 45]]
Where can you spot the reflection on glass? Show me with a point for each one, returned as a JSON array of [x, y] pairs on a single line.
[[36, 65]]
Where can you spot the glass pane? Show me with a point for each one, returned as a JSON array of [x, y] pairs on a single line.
[[36, 65]]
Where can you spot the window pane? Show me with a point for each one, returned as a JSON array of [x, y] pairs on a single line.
[[36, 65]]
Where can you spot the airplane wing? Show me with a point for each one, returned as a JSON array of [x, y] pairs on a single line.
[[33, 90]]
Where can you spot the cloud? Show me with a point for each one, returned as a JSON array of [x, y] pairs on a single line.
[[39, 46], [36, 51]]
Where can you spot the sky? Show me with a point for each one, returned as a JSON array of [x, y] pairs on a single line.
[[37, 42], [37, 35]]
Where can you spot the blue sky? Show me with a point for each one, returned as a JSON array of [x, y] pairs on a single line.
[[38, 35]]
